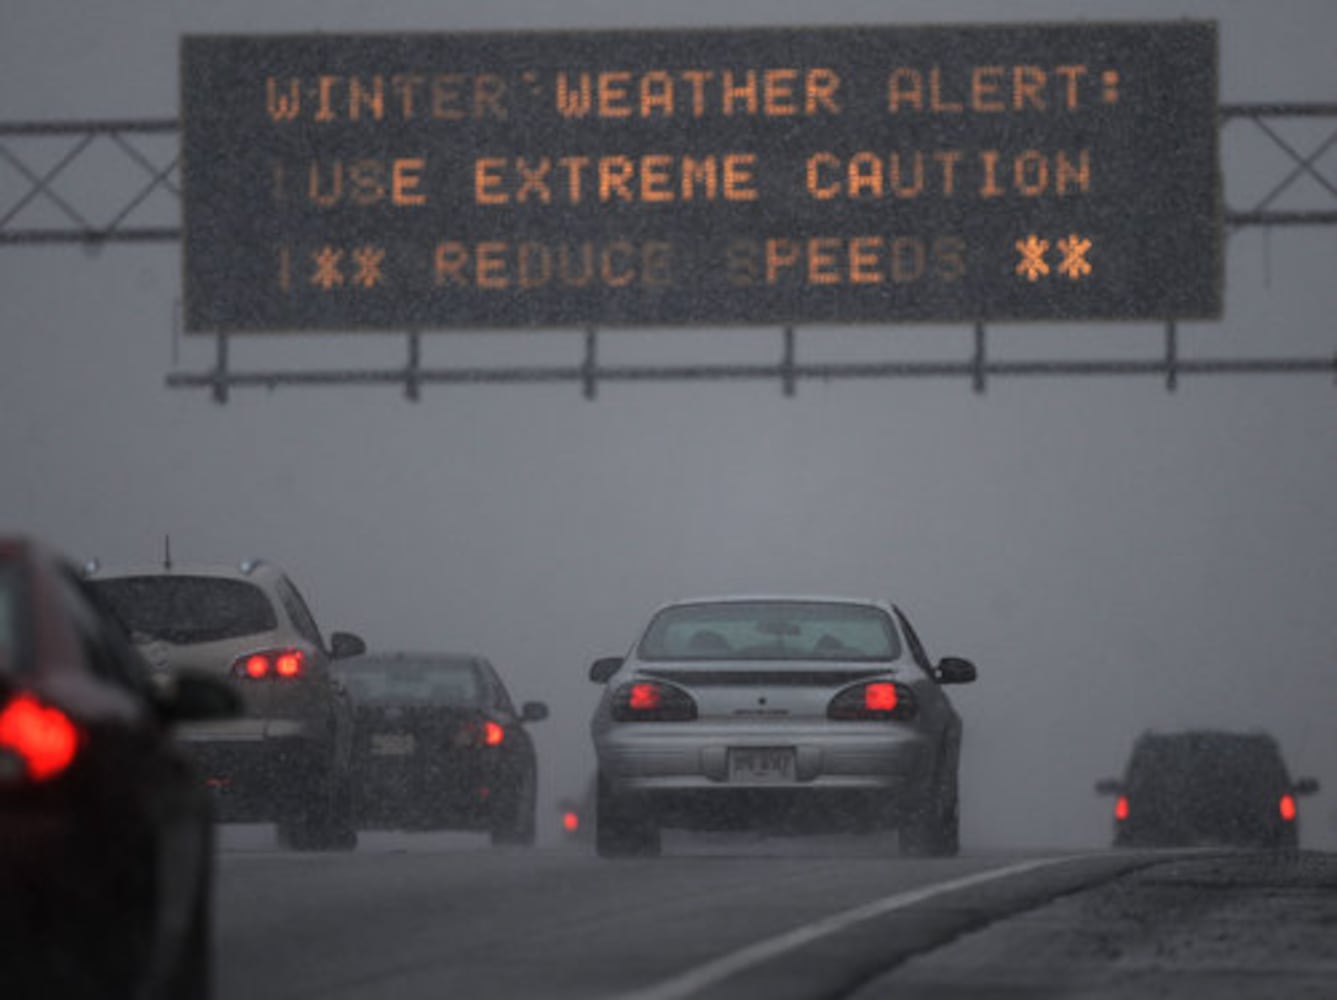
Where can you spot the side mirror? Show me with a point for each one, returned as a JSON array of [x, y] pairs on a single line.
[[346, 644], [533, 711], [1305, 786], [602, 669], [954, 670], [190, 696], [1109, 786]]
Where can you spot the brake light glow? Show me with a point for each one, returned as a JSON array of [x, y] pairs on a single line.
[[44, 737], [282, 663], [570, 821], [644, 697], [288, 664], [879, 697], [474, 734], [652, 701], [1288, 810], [1121, 808], [876, 700]]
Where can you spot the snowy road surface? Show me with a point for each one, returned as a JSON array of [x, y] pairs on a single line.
[[429, 916]]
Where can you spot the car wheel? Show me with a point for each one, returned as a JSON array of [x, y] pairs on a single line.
[[323, 826], [192, 976], [115, 938], [513, 824], [1287, 840], [933, 830], [342, 828], [622, 827]]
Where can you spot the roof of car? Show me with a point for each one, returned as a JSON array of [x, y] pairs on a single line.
[[776, 598], [1200, 738], [409, 656], [246, 569]]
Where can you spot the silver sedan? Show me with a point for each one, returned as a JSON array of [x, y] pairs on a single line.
[[789, 714]]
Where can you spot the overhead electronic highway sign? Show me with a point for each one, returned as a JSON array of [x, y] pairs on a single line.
[[705, 177]]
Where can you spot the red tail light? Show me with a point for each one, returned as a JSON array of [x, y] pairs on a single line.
[[652, 701], [880, 697], [570, 821], [479, 734], [644, 697], [288, 664], [1288, 809], [875, 700], [45, 738], [282, 663], [1121, 808]]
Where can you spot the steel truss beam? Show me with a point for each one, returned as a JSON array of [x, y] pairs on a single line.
[[163, 175], [87, 138], [978, 369], [1260, 214]]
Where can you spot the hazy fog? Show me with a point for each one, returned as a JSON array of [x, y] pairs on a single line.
[[1113, 556]]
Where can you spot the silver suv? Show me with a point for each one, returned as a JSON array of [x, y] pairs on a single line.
[[287, 759]]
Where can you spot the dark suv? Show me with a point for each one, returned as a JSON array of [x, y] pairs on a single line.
[[1206, 787], [287, 760]]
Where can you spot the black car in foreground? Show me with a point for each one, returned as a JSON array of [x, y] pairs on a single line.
[[106, 831], [438, 745], [1206, 788]]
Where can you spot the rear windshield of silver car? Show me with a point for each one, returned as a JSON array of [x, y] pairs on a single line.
[[1223, 763], [771, 630], [187, 609], [444, 682]]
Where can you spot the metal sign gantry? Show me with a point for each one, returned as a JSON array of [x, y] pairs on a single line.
[[39, 177]]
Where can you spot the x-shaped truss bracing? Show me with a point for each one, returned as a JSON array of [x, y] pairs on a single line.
[[87, 140], [18, 149]]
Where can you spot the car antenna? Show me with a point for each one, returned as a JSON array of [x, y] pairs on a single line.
[[167, 552]]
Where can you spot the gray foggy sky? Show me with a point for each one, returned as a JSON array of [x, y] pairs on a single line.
[[1112, 556]]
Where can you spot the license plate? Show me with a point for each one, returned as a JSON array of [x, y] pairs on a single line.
[[392, 744], [761, 764]]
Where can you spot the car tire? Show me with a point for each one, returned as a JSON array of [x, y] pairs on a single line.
[[933, 829], [192, 974], [114, 938], [513, 824], [323, 826], [623, 828]]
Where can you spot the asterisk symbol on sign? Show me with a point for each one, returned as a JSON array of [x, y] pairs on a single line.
[[328, 273], [1032, 250], [368, 260], [1074, 263]]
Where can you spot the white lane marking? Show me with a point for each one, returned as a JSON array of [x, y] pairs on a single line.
[[720, 969]]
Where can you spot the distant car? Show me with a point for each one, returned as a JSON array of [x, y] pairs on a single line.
[[440, 745], [106, 851], [287, 759], [1206, 787], [576, 814], [788, 714]]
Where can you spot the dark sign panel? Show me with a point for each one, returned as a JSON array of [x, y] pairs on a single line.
[[753, 176]]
